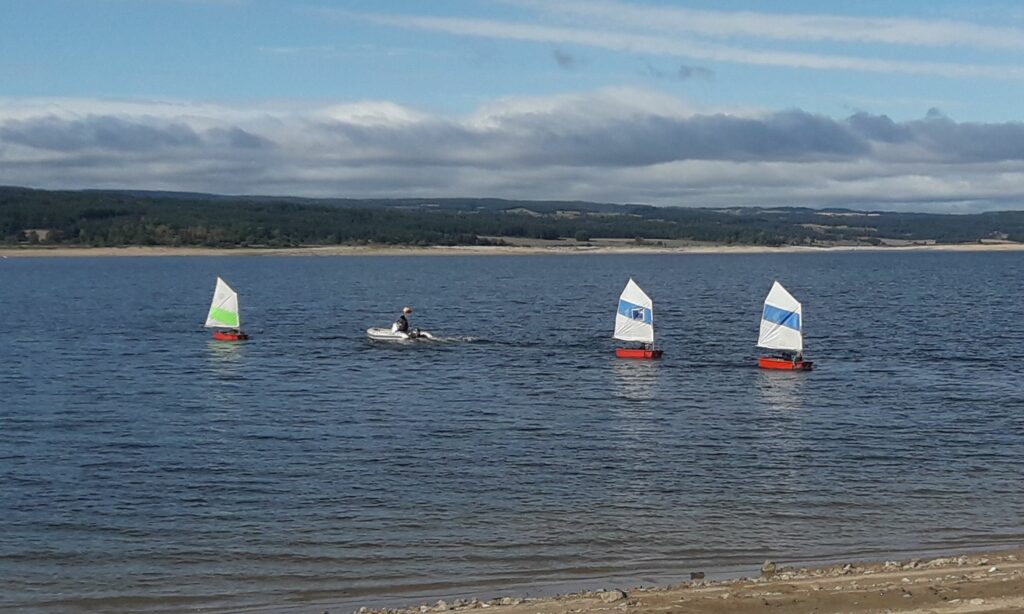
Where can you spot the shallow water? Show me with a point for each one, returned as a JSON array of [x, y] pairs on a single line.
[[144, 467]]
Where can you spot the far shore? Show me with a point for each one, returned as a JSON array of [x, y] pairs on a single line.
[[556, 248], [976, 582]]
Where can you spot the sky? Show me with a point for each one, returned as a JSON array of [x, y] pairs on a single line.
[[900, 105]]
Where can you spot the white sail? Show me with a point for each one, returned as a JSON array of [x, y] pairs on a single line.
[[224, 309], [781, 321], [634, 320]]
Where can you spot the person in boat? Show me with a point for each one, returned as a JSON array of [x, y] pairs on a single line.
[[402, 324], [798, 357]]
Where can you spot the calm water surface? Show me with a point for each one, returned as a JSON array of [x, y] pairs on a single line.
[[144, 467]]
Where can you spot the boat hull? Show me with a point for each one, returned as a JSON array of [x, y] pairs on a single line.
[[784, 364], [386, 334], [637, 353], [224, 335]]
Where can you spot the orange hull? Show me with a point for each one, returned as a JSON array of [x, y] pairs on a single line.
[[639, 353], [219, 335], [783, 364]]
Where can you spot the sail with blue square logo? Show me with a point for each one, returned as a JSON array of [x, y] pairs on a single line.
[[634, 320]]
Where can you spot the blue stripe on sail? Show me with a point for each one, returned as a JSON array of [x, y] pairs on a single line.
[[789, 319], [635, 312]]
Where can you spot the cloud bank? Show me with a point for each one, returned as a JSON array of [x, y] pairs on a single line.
[[616, 145]]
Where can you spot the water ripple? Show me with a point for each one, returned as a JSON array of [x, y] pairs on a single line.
[[145, 467]]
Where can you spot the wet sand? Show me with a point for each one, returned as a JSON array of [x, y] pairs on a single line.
[[991, 582], [560, 248]]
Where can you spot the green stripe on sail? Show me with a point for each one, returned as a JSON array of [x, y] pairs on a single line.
[[227, 318]]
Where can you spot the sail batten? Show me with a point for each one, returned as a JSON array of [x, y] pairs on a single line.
[[634, 318], [224, 308], [781, 321]]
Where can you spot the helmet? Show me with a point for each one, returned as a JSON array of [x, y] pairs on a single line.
[[406, 309]]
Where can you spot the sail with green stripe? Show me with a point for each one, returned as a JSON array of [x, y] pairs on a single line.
[[224, 309]]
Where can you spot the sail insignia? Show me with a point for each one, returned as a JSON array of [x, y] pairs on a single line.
[[634, 319]]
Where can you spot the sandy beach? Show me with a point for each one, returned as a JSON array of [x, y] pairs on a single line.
[[990, 582], [534, 248]]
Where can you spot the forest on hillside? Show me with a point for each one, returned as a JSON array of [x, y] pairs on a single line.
[[122, 218]]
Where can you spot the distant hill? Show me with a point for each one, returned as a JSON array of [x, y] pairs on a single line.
[[139, 217]]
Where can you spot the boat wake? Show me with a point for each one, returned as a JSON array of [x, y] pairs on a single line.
[[459, 339], [419, 338]]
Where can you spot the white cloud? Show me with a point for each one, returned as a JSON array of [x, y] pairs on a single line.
[[795, 27], [603, 105], [650, 42], [371, 113]]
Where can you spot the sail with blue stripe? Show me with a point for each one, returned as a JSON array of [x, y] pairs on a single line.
[[781, 321], [634, 319]]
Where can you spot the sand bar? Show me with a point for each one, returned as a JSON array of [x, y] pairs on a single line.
[[558, 248], [991, 582]]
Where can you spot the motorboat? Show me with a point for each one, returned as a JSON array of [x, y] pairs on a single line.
[[391, 334]]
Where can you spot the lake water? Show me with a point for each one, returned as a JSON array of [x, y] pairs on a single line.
[[145, 467]]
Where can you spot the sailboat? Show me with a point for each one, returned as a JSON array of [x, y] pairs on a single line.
[[634, 321], [224, 314], [781, 329]]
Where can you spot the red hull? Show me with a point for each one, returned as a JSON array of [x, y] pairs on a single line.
[[784, 364], [229, 336], [640, 353]]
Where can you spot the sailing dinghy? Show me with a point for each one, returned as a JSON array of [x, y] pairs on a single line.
[[634, 321], [781, 329], [224, 314]]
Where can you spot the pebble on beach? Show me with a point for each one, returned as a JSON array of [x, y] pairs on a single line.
[[612, 596]]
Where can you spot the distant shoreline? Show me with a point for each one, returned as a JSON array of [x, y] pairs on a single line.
[[483, 250]]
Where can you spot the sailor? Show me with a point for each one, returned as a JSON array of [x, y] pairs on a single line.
[[402, 324]]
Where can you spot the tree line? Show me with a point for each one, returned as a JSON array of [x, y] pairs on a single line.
[[122, 218]]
